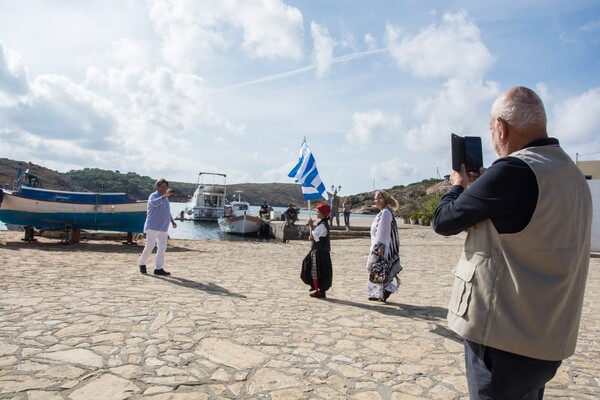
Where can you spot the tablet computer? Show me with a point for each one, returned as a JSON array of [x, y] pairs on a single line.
[[466, 150]]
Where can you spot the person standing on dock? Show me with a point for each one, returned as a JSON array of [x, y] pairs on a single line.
[[156, 227], [385, 245], [347, 210], [335, 209], [317, 270]]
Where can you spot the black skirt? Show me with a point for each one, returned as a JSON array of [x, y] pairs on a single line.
[[324, 270]]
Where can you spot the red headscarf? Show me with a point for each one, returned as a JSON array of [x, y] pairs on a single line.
[[324, 209]]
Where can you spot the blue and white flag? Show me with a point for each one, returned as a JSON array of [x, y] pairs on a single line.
[[306, 174]]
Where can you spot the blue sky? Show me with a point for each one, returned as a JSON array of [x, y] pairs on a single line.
[[170, 88]]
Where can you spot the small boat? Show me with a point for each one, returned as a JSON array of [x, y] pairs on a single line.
[[207, 203], [237, 219], [35, 207]]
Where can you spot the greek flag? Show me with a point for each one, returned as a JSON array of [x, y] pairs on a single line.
[[306, 174]]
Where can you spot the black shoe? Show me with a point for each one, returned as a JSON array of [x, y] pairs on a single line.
[[375, 299], [318, 294], [143, 269], [161, 272], [386, 294]]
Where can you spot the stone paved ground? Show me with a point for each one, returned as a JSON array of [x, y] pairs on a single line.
[[234, 321]]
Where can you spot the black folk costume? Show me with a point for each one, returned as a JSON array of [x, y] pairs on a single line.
[[317, 270]]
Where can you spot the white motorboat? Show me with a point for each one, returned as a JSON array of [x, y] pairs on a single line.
[[208, 201], [237, 219]]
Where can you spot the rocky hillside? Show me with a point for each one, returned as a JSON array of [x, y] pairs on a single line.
[[139, 187], [416, 200], [49, 178]]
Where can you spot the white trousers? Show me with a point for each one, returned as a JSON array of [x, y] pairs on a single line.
[[158, 238]]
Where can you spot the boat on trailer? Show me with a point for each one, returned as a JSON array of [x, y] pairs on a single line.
[[238, 220], [208, 201], [36, 207]]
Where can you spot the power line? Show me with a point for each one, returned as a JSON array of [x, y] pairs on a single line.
[[589, 154]]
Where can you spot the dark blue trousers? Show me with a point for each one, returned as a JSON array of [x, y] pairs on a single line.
[[494, 374]]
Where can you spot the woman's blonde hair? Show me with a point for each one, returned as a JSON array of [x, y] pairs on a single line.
[[389, 200]]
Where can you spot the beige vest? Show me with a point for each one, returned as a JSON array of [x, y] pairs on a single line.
[[523, 292]]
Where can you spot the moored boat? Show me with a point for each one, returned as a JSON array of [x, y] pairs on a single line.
[[36, 207], [237, 219], [207, 203]]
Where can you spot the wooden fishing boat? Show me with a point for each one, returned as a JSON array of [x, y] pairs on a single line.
[[36, 207], [237, 220]]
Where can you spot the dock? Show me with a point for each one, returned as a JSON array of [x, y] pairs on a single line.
[[285, 232]]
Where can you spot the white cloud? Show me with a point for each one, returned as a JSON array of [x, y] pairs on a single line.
[[452, 48], [587, 32], [280, 173], [370, 41], [323, 48], [56, 108], [575, 121], [392, 170], [13, 75], [461, 107], [270, 28], [373, 125]]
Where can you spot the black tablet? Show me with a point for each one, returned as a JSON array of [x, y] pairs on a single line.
[[466, 150]]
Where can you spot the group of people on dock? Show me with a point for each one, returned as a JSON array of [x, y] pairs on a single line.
[[519, 284]]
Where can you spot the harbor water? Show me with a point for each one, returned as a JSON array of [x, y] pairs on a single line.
[[197, 230], [201, 230]]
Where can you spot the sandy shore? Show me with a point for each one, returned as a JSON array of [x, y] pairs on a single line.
[[235, 322]]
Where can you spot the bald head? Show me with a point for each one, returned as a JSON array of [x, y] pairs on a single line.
[[519, 117]]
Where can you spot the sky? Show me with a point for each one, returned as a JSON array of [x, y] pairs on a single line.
[[170, 88]]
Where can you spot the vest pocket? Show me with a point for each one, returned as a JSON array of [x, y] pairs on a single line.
[[463, 284]]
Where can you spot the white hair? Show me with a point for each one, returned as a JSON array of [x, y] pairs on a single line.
[[520, 107]]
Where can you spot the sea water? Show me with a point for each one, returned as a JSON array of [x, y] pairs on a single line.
[[200, 230], [206, 230]]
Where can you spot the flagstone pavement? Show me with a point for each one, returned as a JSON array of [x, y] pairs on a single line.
[[234, 321]]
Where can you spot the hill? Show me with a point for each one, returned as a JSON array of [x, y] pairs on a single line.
[[49, 178], [139, 187], [417, 200]]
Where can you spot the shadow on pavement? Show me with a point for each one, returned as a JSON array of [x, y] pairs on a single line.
[[95, 247], [210, 288], [433, 314]]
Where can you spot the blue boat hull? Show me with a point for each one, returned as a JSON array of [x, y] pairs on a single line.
[[123, 222], [42, 208]]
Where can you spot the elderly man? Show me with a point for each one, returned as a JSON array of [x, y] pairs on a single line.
[[519, 283], [156, 227]]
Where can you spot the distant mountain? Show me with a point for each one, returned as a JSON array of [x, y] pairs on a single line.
[[416, 199]]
